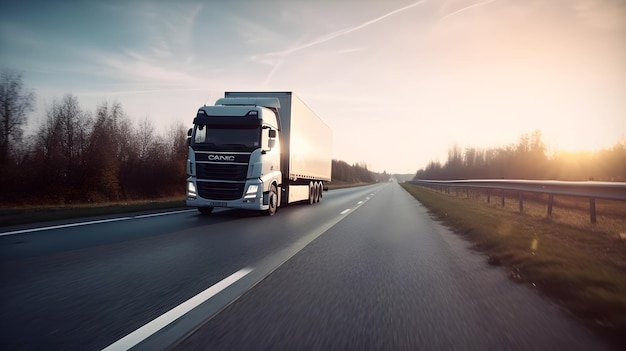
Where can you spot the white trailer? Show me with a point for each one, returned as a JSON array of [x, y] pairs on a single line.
[[257, 151]]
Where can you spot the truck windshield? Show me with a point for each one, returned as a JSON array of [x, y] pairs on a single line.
[[227, 138]]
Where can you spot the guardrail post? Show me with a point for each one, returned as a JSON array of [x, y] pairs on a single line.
[[502, 198], [592, 209], [550, 202], [488, 196], [467, 192], [521, 202]]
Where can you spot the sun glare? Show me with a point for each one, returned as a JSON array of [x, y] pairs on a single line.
[[580, 142]]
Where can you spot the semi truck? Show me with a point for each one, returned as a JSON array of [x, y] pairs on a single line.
[[257, 151]]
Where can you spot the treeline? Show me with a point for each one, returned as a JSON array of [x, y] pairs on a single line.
[[357, 173], [529, 159], [76, 156]]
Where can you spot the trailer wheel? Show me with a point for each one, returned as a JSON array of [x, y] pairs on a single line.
[[318, 192], [205, 210], [272, 200], [311, 193]]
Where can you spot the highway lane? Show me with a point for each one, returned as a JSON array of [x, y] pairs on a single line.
[[87, 286], [389, 278], [374, 272]]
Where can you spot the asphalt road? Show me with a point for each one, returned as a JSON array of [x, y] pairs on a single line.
[[364, 269]]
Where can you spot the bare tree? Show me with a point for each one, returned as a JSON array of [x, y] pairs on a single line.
[[177, 150], [106, 145], [176, 137], [454, 166], [145, 138], [63, 142], [15, 102], [74, 124]]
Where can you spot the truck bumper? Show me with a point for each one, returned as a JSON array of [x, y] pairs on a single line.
[[252, 199]]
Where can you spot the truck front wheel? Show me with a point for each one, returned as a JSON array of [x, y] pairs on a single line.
[[205, 210], [272, 201]]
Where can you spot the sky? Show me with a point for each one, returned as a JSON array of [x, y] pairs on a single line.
[[398, 82]]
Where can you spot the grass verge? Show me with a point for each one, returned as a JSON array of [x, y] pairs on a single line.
[[34, 214], [22, 215], [582, 269], [337, 184]]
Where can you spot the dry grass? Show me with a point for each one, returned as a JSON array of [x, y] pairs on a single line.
[[579, 264], [33, 214], [337, 184]]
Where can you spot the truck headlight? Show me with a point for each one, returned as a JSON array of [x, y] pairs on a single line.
[[251, 192], [191, 189]]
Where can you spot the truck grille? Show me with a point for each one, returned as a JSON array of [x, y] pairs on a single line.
[[220, 191], [216, 171]]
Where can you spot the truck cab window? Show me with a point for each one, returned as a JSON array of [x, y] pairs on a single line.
[[227, 137]]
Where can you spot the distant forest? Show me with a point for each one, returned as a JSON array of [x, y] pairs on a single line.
[[357, 173], [529, 159], [76, 156], [79, 157]]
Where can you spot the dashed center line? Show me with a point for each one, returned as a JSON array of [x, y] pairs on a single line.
[[358, 204]]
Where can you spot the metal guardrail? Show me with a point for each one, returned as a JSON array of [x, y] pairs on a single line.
[[589, 189]]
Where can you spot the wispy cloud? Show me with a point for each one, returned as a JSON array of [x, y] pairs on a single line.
[[277, 58], [163, 57], [136, 92], [348, 50], [164, 60], [140, 68], [275, 68], [603, 14], [169, 27], [340, 33], [466, 8]]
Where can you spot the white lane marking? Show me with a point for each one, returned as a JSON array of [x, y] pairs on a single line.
[[70, 225], [358, 204], [161, 214], [168, 317]]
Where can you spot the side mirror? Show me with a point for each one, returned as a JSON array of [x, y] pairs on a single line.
[[189, 136], [271, 143], [272, 134]]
